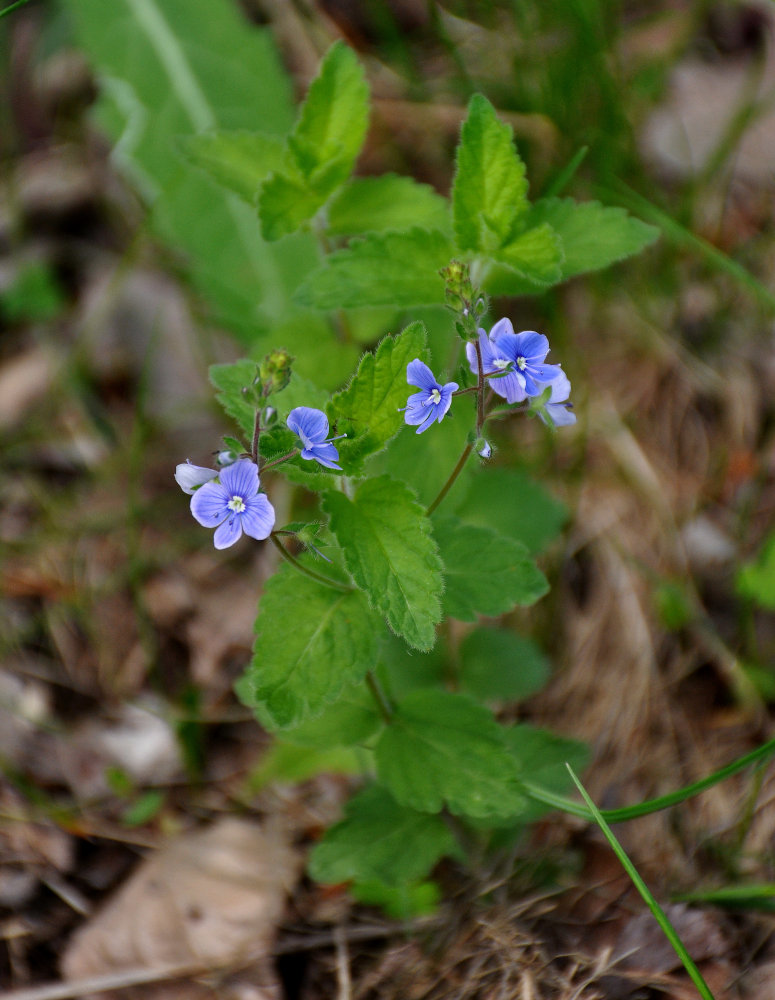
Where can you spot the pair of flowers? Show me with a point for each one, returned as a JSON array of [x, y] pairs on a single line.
[[514, 366], [228, 499]]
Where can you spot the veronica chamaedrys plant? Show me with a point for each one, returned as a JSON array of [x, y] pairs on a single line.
[[365, 664]]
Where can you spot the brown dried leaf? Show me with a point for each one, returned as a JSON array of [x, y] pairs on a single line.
[[208, 898]]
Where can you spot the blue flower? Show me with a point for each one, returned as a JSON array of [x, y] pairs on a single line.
[[233, 505], [190, 477], [519, 355], [312, 427], [433, 400], [557, 411]]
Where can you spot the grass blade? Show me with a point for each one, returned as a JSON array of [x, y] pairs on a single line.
[[659, 914]]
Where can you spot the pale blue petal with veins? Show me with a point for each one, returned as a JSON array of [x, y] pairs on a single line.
[[232, 505]]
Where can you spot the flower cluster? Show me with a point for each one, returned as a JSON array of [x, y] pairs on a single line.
[[513, 365], [228, 498]]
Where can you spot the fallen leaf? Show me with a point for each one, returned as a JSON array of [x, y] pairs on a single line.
[[209, 898]]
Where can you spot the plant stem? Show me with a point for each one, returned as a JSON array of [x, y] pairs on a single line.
[[451, 481], [282, 458], [384, 706], [319, 577], [480, 388], [256, 436]]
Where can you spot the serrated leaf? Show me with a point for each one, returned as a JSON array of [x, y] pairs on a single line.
[[593, 235], [368, 410], [284, 205], [389, 550], [517, 505], [289, 763], [380, 839], [485, 573], [230, 379], [443, 748], [402, 669], [490, 188], [332, 122], [311, 641], [497, 665], [382, 269], [374, 204], [239, 160], [535, 254], [351, 719]]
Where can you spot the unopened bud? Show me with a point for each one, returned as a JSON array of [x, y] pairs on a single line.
[[274, 372]]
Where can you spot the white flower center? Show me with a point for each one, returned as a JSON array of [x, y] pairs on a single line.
[[501, 363], [435, 396], [237, 504], [521, 363]]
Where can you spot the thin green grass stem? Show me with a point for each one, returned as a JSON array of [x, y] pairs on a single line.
[[651, 805], [659, 914], [682, 237], [12, 7]]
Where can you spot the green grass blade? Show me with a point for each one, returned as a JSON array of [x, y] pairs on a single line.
[[566, 175], [659, 914], [682, 237], [748, 897], [652, 805]]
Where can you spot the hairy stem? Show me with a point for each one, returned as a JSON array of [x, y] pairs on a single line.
[[480, 389], [282, 458], [451, 481], [319, 577], [256, 436], [384, 706]]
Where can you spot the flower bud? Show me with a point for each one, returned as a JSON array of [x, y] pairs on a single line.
[[274, 372]]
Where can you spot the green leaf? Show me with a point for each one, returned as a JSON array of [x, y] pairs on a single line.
[[311, 641], [284, 205], [374, 204], [332, 122], [351, 719], [34, 295], [239, 160], [177, 68], [390, 552], [380, 839], [401, 902], [497, 665], [402, 669], [368, 410], [490, 188], [535, 254], [757, 579], [382, 269], [516, 505], [593, 236], [485, 573], [445, 748], [230, 380], [289, 764]]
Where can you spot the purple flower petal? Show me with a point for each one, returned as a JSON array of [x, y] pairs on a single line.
[[258, 517], [240, 479], [431, 416], [228, 533], [325, 453], [311, 425], [189, 477], [502, 328], [208, 504], [511, 387], [532, 346], [419, 374]]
